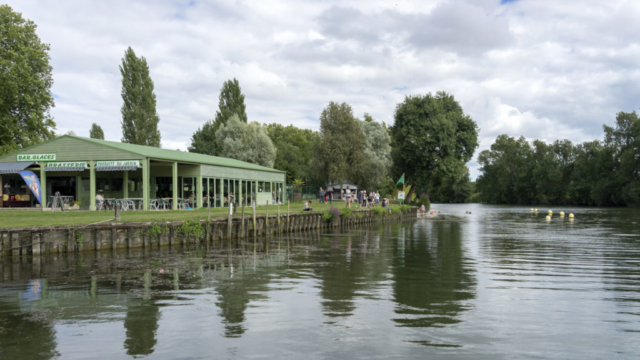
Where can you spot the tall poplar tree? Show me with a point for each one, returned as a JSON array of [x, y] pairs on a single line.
[[230, 102], [25, 84], [139, 116], [96, 132]]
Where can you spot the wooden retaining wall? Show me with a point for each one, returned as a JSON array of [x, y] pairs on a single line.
[[16, 242]]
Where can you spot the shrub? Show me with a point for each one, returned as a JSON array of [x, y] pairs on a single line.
[[423, 201], [154, 231], [332, 214], [379, 211], [191, 229], [346, 213]]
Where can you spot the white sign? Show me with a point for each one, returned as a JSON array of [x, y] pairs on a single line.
[[36, 157], [400, 195], [119, 163], [63, 165]]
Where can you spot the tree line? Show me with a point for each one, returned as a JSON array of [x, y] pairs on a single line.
[[603, 173], [429, 143]]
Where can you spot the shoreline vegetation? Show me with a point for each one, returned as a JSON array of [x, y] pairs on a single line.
[[16, 218]]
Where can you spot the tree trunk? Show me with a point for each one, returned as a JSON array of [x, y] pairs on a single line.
[[407, 197]]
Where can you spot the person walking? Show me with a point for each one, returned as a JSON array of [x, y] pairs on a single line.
[[321, 194], [377, 197], [330, 195]]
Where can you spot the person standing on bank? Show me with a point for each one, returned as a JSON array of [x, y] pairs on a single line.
[[348, 197], [330, 195], [321, 195]]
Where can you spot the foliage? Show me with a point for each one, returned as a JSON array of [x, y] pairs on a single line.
[[294, 151], [422, 201], [25, 84], [96, 132], [379, 211], [80, 239], [373, 170], [592, 173], [154, 231], [191, 229], [346, 213], [139, 116], [203, 141], [454, 189], [432, 139], [246, 142], [340, 147], [332, 214]]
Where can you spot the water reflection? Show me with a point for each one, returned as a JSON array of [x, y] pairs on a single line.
[[479, 287], [433, 280]]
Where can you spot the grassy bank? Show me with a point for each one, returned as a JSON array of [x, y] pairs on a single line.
[[22, 218]]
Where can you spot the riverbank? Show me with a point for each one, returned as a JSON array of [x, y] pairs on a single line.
[[20, 218], [60, 239]]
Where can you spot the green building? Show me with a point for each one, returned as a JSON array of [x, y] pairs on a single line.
[[79, 168]]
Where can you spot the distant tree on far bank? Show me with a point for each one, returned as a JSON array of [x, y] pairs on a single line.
[[139, 116], [604, 173], [432, 140], [341, 145], [246, 142], [96, 132], [25, 84]]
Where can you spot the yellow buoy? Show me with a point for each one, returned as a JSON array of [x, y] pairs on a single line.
[[548, 218], [570, 216], [536, 210], [550, 212], [561, 213], [531, 209]]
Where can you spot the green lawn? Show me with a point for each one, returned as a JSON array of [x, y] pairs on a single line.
[[22, 218]]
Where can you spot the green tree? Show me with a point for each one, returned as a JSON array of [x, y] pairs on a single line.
[[246, 142], [25, 84], [96, 132], [231, 101], [294, 151], [139, 116], [340, 147], [374, 169], [431, 138], [203, 141]]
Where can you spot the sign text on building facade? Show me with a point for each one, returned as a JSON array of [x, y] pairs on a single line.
[[36, 157]]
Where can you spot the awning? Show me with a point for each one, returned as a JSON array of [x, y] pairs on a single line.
[[117, 168], [66, 168], [14, 167]]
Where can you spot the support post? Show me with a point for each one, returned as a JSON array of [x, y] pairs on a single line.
[[125, 183], [43, 185], [287, 215], [266, 219], [198, 188], [92, 185], [145, 183], [242, 232], [174, 185], [255, 225]]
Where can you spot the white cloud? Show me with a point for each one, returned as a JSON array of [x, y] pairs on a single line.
[[534, 68]]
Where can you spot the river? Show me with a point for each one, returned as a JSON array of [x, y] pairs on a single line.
[[499, 283]]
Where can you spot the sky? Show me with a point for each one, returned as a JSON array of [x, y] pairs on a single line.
[[542, 69]]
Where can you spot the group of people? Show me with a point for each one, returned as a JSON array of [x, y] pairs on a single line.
[[368, 200]]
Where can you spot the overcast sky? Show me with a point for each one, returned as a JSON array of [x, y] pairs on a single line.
[[542, 69]]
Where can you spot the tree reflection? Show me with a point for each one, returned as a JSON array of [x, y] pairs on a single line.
[[432, 280], [141, 323]]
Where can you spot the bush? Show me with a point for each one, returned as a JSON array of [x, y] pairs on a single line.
[[423, 201], [346, 213], [332, 214], [379, 211]]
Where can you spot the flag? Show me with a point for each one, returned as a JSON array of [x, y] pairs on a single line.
[[401, 180], [32, 182]]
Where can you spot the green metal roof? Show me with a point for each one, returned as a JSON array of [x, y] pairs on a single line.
[[175, 155]]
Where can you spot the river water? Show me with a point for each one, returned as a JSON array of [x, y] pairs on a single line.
[[501, 283]]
